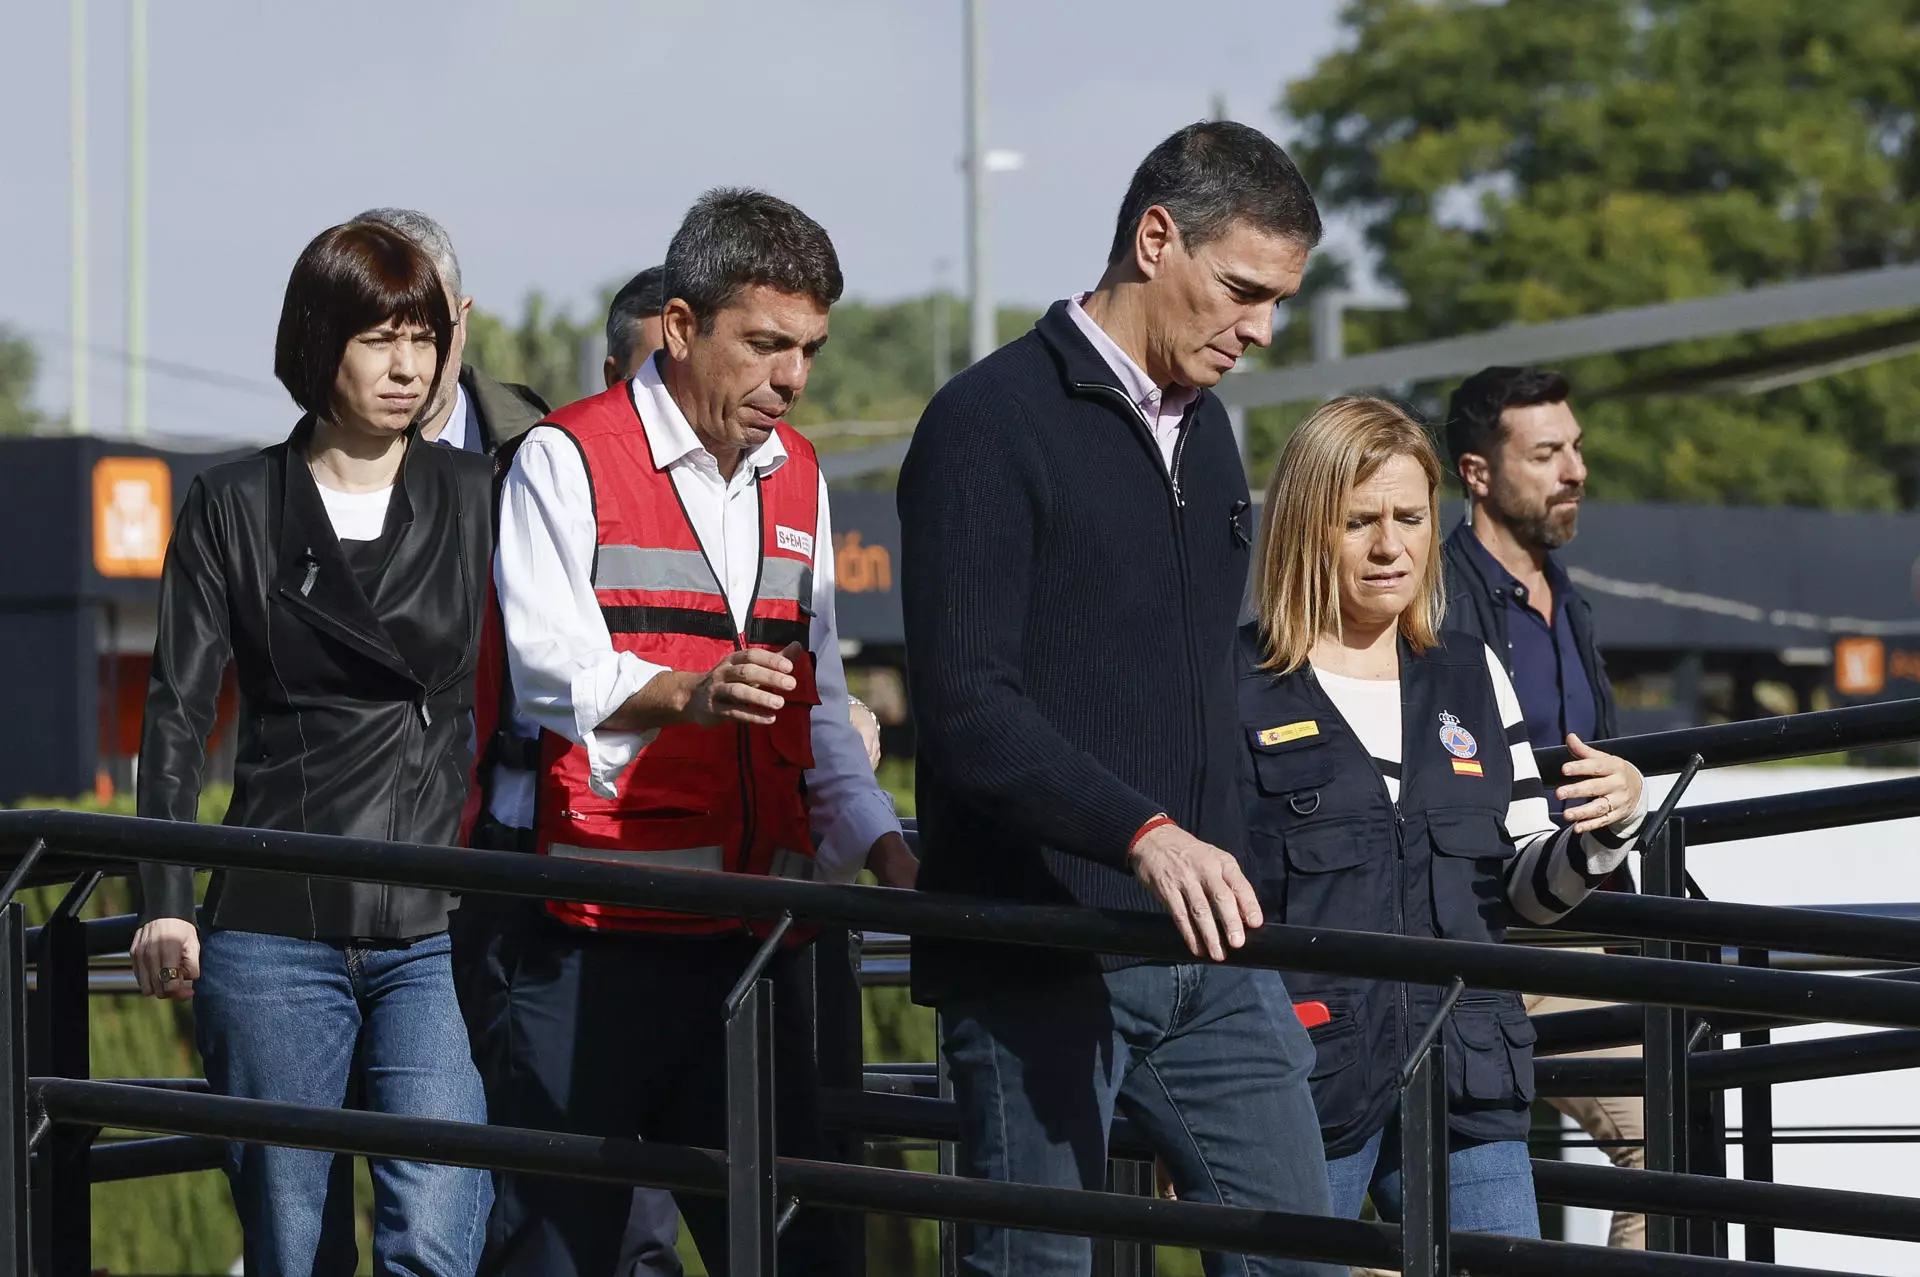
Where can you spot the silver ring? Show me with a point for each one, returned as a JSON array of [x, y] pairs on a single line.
[[1609, 802]]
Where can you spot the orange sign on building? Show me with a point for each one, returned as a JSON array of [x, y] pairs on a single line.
[[1859, 666], [132, 515]]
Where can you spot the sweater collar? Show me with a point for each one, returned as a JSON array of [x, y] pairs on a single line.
[[1079, 363]]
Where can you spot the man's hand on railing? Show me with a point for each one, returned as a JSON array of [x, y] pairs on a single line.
[[166, 958], [1197, 881]]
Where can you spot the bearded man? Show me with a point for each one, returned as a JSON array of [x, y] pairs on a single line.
[[1515, 444]]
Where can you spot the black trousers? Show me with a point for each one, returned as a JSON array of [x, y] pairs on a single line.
[[623, 1034]]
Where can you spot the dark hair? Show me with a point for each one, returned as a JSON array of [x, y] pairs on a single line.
[[734, 238], [1473, 413], [641, 297], [1212, 174], [348, 279]]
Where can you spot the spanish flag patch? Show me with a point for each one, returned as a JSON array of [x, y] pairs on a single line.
[[1290, 731], [1466, 767]]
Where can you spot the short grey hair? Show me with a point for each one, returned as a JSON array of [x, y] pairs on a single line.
[[430, 235]]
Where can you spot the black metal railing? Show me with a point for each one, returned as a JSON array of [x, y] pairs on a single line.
[[48, 1154]]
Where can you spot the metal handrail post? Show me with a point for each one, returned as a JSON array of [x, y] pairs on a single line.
[[62, 1187], [1120, 1258], [1426, 1217], [949, 1157], [1756, 1124], [1665, 874], [753, 1223], [16, 1253]]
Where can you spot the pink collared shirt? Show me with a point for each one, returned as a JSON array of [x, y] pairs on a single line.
[[1162, 410]]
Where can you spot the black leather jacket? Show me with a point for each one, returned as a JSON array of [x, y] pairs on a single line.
[[355, 707]]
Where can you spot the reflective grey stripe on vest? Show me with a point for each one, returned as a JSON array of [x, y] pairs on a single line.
[[639, 567], [791, 864], [705, 859], [786, 864], [788, 579]]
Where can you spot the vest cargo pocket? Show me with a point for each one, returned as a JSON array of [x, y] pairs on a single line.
[[1341, 1081], [1517, 1028], [1468, 868], [1490, 1053], [1479, 1070], [1324, 865]]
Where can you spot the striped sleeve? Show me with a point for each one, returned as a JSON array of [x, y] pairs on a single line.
[[1553, 869]]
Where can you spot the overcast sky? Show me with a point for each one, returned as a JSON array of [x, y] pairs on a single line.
[[560, 142]]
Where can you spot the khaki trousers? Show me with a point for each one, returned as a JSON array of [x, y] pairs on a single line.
[[1618, 1123]]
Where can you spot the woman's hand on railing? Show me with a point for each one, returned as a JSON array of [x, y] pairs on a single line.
[[1610, 785], [166, 958]]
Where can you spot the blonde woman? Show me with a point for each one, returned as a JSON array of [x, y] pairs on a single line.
[[1389, 787]]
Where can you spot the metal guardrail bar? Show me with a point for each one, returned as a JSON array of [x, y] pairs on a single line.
[[1831, 808], [1814, 1210], [1757, 740], [1789, 1206], [162, 1155], [1773, 1064], [1218, 1228], [1745, 926], [1857, 1000]]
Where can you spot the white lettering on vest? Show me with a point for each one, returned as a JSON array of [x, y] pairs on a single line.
[[793, 539]]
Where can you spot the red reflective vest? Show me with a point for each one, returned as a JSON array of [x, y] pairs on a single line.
[[715, 798]]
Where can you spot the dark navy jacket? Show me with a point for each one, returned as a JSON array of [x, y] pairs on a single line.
[[1328, 849]]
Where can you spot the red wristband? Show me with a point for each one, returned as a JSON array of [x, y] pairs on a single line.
[[1149, 827]]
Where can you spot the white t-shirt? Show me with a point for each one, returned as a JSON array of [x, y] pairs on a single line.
[[356, 516]]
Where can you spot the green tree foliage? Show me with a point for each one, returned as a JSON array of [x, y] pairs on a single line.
[[18, 364], [878, 364], [1534, 160], [545, 350], [879, 360]]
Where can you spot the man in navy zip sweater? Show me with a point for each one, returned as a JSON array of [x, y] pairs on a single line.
[[1075, 542]]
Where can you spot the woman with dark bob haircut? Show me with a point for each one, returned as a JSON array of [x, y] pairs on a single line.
[[342, 574]]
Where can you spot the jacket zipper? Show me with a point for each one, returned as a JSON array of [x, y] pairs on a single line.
[[1171, 473], [1399, 850]]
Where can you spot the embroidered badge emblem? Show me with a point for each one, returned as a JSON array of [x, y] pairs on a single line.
[[1455, 739], [1291, 731]]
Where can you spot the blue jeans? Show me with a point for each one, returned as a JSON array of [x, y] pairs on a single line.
[[304, 1021], [1191, 1054], [1489, 1185]]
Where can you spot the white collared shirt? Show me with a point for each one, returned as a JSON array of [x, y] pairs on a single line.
[[1164, 411], [454, 433], [568, 678]]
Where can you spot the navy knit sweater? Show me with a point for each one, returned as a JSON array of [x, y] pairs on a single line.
[[1070, 619]]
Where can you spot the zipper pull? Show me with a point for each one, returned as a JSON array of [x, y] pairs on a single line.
[[313, 572], [426, 715]]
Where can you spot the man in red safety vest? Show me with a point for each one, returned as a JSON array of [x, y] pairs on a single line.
[[665, 585]]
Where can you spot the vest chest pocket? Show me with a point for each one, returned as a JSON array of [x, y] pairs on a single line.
[[1327, 874], [1468, 873], [1289, 771]]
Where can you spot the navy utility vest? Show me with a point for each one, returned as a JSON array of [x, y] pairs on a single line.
[[1327, 848]]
